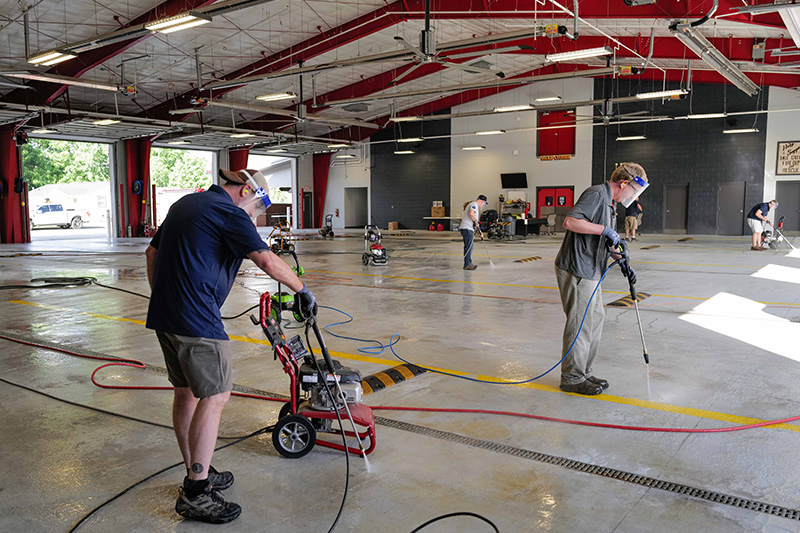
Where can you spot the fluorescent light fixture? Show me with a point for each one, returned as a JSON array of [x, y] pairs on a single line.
[[106, 122], [701, 46], [741, 130], [662, 94], [345, 156], [403, 152], [472, 148], [706, 115], [490, 132], [44, 130], [62, 80], [508, 108], [632, 138], [579, 54], [277, 151], [179, 142], [339, 145], [275, 96], [405, 119], [51, 58], [178, 22], [410, 140], [63, 57], [547, 99], [241, 135]]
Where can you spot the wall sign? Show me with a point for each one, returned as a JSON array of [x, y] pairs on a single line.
[[788, 158]]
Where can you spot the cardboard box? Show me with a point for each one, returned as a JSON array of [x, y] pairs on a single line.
[[394, 225], [437, 211]]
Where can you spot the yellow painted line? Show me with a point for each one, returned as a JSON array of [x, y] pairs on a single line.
[[688, 411]]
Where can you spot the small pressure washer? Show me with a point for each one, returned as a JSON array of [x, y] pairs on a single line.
[[321, 392], [774, 239], [373, 250], [327, 231], [283, 301], [281, 238]]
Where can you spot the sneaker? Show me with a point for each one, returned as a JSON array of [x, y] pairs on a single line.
[[756, 248], [598, 381], [586, 388], [208, 506], [471, 266], [219, 480]]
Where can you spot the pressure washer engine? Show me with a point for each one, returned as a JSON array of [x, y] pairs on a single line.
[[322, 392], [773, 239], [373, 250]]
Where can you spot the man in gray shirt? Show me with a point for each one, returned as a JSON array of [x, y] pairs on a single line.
[[469, 221], [580, 264]]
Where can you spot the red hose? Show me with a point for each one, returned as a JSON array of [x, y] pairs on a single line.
[[138, 364]]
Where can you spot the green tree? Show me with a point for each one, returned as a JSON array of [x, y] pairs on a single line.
[[171, 167], [47, 161]]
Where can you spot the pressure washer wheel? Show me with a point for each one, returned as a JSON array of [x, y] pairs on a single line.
[[294, 436], [365, 259], [286, 409]]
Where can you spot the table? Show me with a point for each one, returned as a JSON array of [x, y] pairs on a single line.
[[526, 226]]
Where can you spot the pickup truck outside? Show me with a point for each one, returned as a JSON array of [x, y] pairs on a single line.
[[56, 215]]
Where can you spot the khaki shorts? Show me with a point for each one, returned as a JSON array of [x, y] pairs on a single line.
[[756, 226], [631, 224], [203, 365]]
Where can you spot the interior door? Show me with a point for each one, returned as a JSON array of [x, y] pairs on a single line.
[[677, 207], [355, 207], [730, 208], [308, 210], [788, 195]]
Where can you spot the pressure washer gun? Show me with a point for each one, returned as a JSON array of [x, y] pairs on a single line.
[[624, 264]]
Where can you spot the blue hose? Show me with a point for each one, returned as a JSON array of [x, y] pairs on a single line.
[[379, 349]]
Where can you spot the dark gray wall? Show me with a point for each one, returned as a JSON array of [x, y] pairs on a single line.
[[689, 151], [404, 187]]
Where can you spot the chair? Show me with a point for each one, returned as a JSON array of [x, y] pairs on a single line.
[[551, 224]]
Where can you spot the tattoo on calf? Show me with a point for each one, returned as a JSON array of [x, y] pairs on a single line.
[[197, 468]]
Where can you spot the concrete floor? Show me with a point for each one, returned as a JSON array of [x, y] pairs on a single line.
[[722, 329]]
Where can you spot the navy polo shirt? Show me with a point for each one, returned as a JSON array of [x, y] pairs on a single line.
[[201, 245], [764, 211]]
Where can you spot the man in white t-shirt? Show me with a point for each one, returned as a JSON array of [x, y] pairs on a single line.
[[470, 220]]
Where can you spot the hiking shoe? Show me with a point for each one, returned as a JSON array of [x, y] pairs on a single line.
[[471, 266], [586, 388], [208, 506], [219, 480], [598, 381]]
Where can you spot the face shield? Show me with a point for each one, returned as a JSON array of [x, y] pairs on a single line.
[[633, 190], [259, 200]]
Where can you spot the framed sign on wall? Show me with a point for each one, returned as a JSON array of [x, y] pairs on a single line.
[[788, 158]]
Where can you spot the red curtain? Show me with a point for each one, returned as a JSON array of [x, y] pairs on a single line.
[[137, 157], [321, 167], [237, 159], [13, 221]]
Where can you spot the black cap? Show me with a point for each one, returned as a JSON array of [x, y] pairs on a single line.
[[482, 197]]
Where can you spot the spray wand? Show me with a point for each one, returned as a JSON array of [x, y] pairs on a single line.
[[624, 265]]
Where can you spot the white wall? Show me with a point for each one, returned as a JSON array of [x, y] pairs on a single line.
[[354, 174], [478, 172], [783, 126]]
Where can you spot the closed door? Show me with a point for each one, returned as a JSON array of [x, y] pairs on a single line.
[[308, 210], [730, 208], [355, 207], [788, 195], [677, 206]]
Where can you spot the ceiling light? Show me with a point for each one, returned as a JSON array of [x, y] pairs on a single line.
[[345, 156], [56, 60], [339, 145], [632, 138], [178, 22], [547, 99], [275, 96], [179, 142], [707, 115], [741, 130], [405, 119], [490, 132], [241, 135], [410, 140], [507, 108], [277, 151], [403, 152], [662, 94], [579, 54], [105, 122], [63, 80], [44, 130], [701, 46], [472, 148], [51, 58]]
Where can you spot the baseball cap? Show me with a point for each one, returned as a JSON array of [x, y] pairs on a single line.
[[244, 177], [482, 197]]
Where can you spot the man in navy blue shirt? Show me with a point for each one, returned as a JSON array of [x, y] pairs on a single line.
[[192, 263], [757, 220]]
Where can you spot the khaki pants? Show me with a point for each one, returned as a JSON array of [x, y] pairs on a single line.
[[575, 293]]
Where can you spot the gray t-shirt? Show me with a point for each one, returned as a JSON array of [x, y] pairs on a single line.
[[585, 255], [466, 218]]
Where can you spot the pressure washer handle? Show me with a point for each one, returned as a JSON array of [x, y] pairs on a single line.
[[264, 309], [321, 341]]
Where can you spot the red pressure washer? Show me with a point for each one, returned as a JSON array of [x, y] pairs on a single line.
[[314, 403]]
